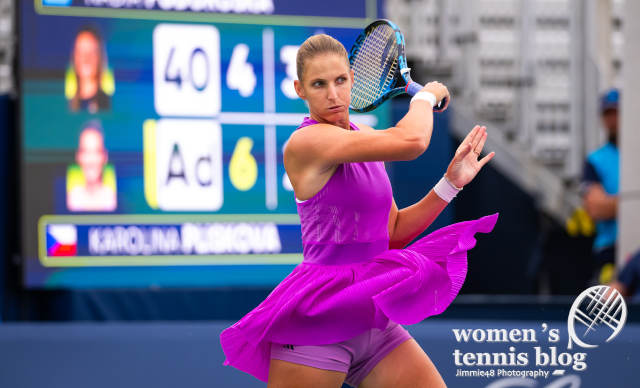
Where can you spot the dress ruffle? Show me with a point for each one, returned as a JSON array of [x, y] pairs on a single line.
[[322, 304]]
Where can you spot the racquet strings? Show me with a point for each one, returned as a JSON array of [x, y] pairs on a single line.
[[374, 65]]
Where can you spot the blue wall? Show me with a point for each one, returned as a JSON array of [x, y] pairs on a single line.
[[189, 355]]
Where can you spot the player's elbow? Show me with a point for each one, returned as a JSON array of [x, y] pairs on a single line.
[[400, 144], [412, 141], [415, 147]]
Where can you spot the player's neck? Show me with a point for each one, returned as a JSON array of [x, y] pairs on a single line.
[[342, 123]]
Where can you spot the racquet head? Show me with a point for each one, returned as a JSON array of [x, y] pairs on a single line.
[[380, 67]]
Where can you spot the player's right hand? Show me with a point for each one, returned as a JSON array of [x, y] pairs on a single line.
[[439, 90]]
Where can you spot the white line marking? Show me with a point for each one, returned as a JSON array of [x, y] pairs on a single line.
[[290, 119], [270, 143]]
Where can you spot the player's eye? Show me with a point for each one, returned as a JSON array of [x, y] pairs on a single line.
[[317, 84], [341, 80]]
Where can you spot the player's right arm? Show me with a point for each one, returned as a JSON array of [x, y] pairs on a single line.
[[326, 145]]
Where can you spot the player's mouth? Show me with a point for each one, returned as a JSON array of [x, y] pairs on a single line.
[[336, 108]]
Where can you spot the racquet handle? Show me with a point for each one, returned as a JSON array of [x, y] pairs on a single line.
[[415, 87]]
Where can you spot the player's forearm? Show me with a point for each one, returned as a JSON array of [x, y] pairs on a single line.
[[418, 122], [419, 119], [413, 220]]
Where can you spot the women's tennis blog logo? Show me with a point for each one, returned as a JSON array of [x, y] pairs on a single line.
[[596, 317], [598, 312]]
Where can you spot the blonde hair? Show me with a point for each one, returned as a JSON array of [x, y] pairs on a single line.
[[315, 45]]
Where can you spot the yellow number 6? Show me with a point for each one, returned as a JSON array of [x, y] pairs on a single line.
[[243, 168]]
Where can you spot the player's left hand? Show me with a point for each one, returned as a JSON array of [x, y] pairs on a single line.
[[465, 164]]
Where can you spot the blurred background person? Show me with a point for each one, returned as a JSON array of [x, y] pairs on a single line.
[[91, 182], [628, 280], [89, 83], [600, 189]]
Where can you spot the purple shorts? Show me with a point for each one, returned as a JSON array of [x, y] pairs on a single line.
[[356, 357]]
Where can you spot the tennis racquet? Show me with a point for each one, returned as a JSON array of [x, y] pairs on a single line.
[[380, 67]]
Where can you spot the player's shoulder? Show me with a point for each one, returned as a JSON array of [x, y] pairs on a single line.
[[312, 130], [304, 138]]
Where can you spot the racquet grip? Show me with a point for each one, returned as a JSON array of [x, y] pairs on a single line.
[[414, 87]]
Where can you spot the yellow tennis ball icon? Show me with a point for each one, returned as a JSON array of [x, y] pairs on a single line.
[[243, 168]]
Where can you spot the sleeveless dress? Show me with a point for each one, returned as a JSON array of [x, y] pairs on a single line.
[[349, 280]]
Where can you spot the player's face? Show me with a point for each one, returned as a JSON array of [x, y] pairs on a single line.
[[326, 86], [86, 55], [91, 155]]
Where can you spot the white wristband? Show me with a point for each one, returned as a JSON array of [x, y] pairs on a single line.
[[445, 189], [425, 96]]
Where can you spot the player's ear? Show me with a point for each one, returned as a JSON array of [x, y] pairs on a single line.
[[299, 89]]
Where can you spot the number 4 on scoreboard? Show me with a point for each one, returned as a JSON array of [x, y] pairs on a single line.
[[240, 75]]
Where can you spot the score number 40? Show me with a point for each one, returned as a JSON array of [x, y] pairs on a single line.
[[186, 70]]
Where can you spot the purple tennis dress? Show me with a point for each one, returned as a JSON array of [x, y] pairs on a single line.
[[349, 280]]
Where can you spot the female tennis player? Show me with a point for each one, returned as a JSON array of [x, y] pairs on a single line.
[[337, 317]]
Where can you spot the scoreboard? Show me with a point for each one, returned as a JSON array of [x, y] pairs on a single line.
[[152, 136]]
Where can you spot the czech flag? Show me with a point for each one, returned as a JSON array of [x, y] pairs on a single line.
[[62, 240]]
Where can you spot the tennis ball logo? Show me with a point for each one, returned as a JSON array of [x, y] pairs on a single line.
[[243, 168]]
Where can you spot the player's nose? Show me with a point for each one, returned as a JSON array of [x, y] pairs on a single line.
[[332, 93]]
